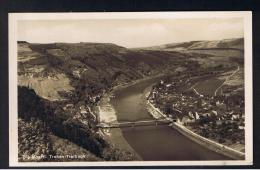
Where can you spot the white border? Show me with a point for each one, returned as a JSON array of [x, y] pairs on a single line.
[[13, 114]]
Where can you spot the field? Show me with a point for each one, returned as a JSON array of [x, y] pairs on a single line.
[[209, 86]]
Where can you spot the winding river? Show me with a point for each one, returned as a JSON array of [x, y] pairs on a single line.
[[161, 143]]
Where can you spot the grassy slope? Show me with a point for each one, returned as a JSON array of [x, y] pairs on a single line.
[[209, 86]]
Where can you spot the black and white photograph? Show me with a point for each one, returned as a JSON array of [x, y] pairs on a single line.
[[130, 88]]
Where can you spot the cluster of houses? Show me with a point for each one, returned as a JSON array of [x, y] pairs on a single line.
[[199, 112], [78, 72], [82, 113]]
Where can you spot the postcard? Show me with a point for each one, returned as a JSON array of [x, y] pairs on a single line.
[[130, 89]]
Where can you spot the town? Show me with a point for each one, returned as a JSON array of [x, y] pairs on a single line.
[[217, 116]]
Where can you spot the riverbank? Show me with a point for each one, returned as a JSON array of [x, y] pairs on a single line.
[[107, 114], [210, 144], [155, 112], [125, 85]]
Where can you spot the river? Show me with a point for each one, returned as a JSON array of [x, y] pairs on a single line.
[[154, 143]]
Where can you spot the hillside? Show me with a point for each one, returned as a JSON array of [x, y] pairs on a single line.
[[44, 128], [62, 66]]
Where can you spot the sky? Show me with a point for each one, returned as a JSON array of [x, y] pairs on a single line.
[[129, 33]]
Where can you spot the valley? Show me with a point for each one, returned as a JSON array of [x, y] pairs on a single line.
[[61, 86]]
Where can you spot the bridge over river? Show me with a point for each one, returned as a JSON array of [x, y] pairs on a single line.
[[135, 123]]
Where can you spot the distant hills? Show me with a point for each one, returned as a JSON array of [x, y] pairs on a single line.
[[235, 43]]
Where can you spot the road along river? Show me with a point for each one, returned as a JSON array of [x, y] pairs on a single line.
[[161, 143]]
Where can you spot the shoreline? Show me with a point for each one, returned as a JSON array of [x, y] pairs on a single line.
[[106, 113], [208, 143]]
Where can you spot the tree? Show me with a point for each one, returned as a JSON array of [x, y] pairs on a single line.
[[168, 108]]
